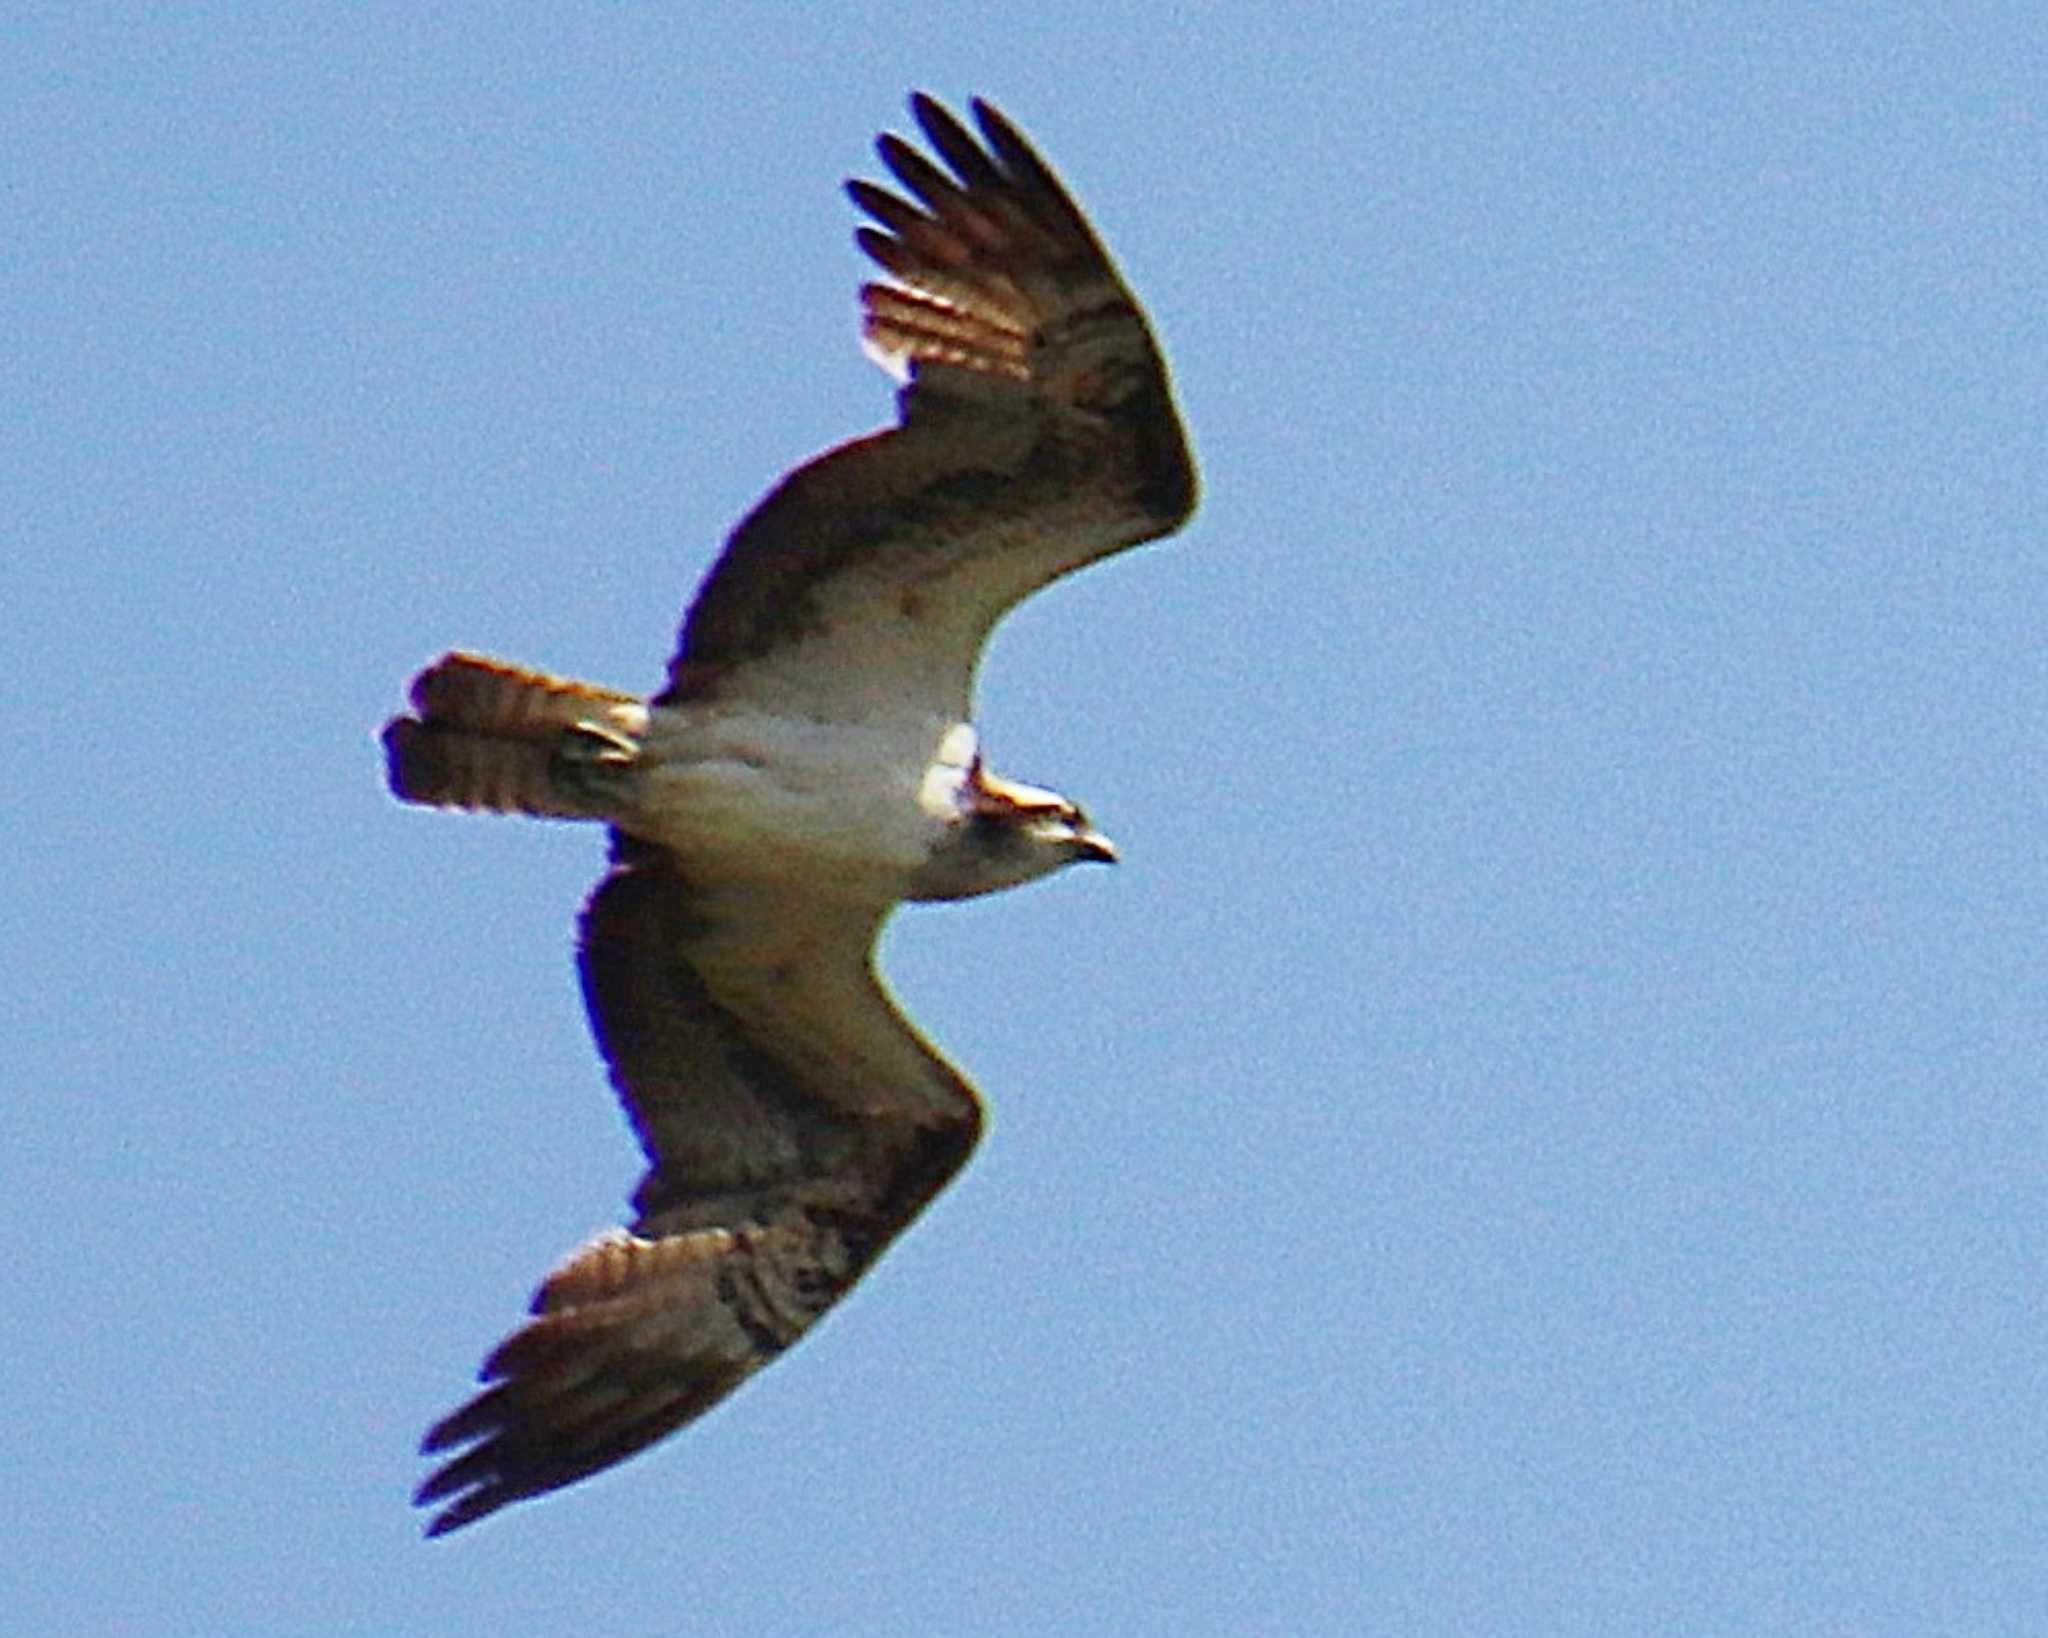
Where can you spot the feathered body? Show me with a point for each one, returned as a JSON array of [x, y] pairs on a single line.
[[809, 764]]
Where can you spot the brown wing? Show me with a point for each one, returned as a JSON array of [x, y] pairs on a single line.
[[793, 1123], [1037, 434]]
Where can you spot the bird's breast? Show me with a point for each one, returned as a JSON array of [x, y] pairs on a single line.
[[755, 795]]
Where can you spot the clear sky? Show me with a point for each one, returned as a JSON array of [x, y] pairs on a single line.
[[1543, 1132]]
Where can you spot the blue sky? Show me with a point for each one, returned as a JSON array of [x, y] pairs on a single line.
[[1543, 1132]]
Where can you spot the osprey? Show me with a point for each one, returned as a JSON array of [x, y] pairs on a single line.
[[809, 764]]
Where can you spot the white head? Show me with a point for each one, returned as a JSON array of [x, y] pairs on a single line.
[[996, 833]]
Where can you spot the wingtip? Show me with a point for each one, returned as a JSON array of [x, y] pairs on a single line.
[[447, 1520], [465, 1490], [942, 127]]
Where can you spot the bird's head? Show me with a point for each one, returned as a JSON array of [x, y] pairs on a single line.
[[1000, 833]]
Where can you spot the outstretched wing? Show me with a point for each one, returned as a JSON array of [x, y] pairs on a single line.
[[793, 1124], [1037, 435]]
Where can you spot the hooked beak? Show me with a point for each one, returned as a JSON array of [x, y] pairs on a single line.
[[1094, 847]]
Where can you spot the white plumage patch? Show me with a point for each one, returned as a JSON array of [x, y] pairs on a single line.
[[938, 793]]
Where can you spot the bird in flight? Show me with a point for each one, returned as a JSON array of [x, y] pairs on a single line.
[[809, 764]]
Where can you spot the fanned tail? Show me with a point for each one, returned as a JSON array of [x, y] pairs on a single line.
[[487, 737]]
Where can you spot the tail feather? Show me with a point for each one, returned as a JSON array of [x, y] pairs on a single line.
[[487, 735]]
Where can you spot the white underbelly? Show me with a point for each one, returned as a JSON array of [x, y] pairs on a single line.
[[778, 799]]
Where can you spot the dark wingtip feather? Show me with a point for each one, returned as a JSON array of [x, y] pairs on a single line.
[[893, 213], [957, 145], [439, 1483], [992, 119], [933, 186], [1022, 163], [482, 1415], [477, 1505], [941, 129]]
